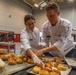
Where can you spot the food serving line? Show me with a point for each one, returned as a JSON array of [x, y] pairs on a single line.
[[68, 60], [23, 69]]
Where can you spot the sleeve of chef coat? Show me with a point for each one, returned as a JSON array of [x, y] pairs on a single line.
[[38, 37], [65, 38], [44, 39], [24, 40]]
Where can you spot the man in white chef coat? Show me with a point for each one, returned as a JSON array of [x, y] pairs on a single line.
[[30, 38], [57, 32]]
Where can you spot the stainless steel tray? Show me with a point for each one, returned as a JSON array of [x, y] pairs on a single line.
[[15, 68], [71, 62], [62, 72]]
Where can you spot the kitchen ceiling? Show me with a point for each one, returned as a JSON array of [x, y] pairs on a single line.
[[30, 2], [40, 2]]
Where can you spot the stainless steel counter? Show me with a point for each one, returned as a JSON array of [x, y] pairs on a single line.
[[24, 72]]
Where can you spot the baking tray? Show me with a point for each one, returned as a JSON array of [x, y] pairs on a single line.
[[15, 68], [51, 59], [71, 62], [62, 72], [68, 69]]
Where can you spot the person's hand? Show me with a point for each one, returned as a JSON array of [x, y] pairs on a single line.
[[36, 60], [41, 47]]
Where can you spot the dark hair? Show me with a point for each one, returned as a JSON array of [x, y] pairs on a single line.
[[52, 6], [27, 17]]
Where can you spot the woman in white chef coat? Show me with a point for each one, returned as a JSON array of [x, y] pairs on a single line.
[[57, 32], [30, 38]]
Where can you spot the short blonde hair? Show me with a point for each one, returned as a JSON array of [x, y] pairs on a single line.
[[52, 6]]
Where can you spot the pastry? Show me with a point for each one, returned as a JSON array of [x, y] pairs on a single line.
[[24, 59], [30, 61], [3, 51], [11, 62], [58, 59], [19, 61], [61, 67], [43, 72], [20, 56], [36, 69], [5, 57], [55, 72]]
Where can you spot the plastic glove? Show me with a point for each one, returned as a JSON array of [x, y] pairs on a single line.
[[36, 60]]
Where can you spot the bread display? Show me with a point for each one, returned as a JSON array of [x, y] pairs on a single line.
[[21, 56], [55, 72], [19, 61], [30, 61], [61, 67], [53, 67], [11, 62], [57, 59], [24, 59], [5, 57], [3, 51], [36, 69], [10, 59], [43, 72], [47, 69]]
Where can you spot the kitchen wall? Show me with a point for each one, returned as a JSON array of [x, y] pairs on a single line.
[[11, 15], [68, 11]]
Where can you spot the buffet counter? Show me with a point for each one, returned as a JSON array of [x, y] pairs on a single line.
[[24, 72], [27, 72], [21, 65]]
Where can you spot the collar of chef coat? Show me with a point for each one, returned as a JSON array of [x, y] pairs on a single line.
[[29, 30], [57, 24]]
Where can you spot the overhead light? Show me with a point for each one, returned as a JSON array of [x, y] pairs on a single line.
[[71, 0], [43, 4], [36, 5]]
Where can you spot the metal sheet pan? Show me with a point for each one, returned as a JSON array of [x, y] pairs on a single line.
[[62, 72], [68, 69], [15, 68], [71, 62]]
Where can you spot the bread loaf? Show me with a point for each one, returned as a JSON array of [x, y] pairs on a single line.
[[2, 65]]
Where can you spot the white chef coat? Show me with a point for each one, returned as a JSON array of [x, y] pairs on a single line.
[[30, 39], [58, 35]]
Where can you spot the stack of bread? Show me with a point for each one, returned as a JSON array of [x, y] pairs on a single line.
[[51, 67], [13, 59], [46, 70]]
